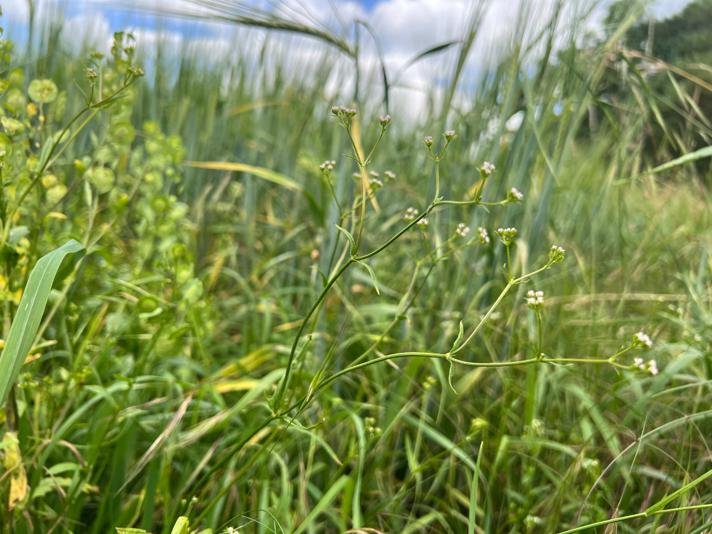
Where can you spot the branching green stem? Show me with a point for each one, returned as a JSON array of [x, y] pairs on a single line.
[[635, 516]]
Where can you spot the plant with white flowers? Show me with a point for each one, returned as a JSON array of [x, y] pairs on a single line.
[[351, 227]]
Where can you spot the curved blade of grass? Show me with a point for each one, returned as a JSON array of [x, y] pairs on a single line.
[[445, 442], [662, 503], [705, 152], [424, 54], [260, 172], [29, 314], [158, 443], [326, 499], [382, 62], [243, 14]]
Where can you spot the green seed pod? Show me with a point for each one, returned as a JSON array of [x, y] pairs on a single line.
[[42, 91]]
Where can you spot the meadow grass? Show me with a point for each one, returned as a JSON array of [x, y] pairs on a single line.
[[179, 380]]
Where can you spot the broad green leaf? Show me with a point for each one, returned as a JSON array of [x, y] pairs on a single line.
[[29, 314]]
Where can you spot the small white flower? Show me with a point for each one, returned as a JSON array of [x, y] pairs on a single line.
[[385, 120], [515, 195], [410, 214], [328, 165], [375, 183], [483, 235], [390, 175], [507, 235], [449, 135], [422, 222], [428, 140], [535, 299], [487, 168], [462, 230], [641, 339], [652, 367], [556, 254], [343, 112]]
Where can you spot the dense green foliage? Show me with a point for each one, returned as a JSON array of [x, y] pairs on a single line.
[[155, 390]]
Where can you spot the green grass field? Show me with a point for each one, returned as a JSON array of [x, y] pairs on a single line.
[[255, 313]]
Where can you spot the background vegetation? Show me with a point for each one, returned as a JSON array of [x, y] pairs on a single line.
[[149, 391]]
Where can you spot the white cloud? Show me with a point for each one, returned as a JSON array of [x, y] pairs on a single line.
[[403, 28], [15, 13], [87, 30]]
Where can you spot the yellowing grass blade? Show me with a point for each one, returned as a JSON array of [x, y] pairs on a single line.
[[29, 314], [260, 172]]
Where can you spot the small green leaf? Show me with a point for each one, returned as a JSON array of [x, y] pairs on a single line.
[[372, 275], [348, 236]]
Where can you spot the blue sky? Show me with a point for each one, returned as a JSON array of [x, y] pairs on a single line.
[[120, 16], [403, 28]]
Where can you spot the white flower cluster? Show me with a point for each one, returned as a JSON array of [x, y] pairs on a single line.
[[428, 140], [449, 135], [556, 254], [410, 214], [462, 230], [650, 366], [507, 235], [328, 166], [422, 222], [487, 168], [390, 175], [374, 181], [483, 235], [641, 339], [342, 111], [535, 299], [384, 120], [515, 195]]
